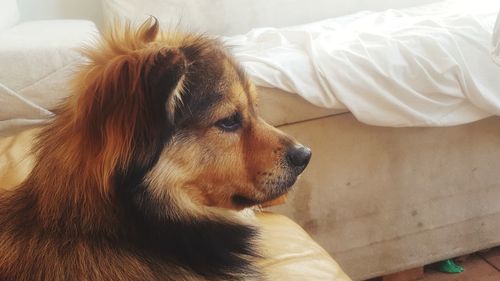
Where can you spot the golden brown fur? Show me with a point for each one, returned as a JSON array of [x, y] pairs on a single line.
[[140, 165]]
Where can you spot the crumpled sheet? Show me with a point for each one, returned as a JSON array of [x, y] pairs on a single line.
[[37, 61], [424, 66], [495, 41]]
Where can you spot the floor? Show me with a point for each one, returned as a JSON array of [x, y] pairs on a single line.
[[482, 266]]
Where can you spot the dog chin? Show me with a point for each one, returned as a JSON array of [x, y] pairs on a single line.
[[242, 201]]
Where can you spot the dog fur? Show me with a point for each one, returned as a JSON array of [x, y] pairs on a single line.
[[143, 172]]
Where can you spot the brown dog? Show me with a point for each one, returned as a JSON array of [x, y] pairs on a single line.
[[141, 173]]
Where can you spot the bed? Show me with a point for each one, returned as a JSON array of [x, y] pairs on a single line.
[[390, 186], [422, 185], [382, 200]]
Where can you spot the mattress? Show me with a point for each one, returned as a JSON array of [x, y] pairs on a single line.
[[382, 200], [279, 108]]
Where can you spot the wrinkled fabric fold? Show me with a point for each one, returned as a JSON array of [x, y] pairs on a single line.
[[422, 66], [495, 41]]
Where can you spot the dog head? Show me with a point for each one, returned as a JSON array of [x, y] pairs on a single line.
[[176, 123]]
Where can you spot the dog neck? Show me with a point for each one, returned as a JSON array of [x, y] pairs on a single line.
[[214, 243], [216, 246]]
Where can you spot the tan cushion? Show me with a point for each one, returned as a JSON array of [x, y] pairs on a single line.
[[290, 252], [279, 107], [15, 158]]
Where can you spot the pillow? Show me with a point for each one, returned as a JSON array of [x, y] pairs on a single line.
[[9, 15]]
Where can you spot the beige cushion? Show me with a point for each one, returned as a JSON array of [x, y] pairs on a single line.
[[292, 255], [279, 107], [290, 252], [15, 158]]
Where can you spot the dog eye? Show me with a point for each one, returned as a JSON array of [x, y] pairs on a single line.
[[230, 124]]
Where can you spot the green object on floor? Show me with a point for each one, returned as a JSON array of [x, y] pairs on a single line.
[[449, 266]]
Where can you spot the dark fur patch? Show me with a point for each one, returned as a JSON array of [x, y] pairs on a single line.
[[243, 201], [213, 249]]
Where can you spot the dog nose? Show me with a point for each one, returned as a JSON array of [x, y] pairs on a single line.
[[299, 156]]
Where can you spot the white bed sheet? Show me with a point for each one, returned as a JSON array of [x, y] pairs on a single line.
[[495, 41], [423, 66]]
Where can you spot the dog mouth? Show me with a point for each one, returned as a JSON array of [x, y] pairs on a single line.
[[274, 185], [244, 201]]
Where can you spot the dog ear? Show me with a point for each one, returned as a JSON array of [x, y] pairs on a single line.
[[149, 30], [165, 78], [126, 107]]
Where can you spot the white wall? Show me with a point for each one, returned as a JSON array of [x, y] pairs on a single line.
[[61, 9], [277, 12]]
